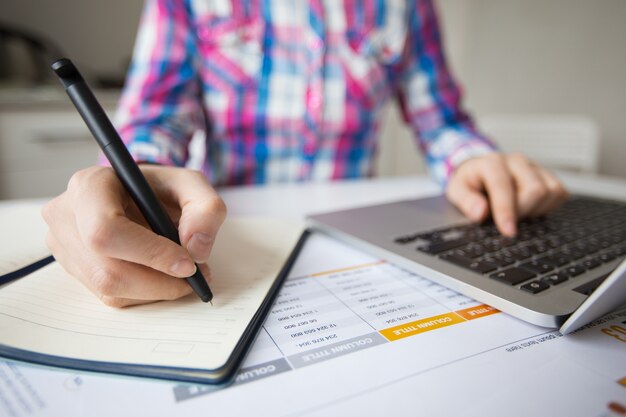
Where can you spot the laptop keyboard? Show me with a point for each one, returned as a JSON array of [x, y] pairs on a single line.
[[578, 237]]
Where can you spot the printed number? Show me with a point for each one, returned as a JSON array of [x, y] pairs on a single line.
[[617, 332]]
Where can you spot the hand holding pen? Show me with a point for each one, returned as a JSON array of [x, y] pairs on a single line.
[[98, 232]]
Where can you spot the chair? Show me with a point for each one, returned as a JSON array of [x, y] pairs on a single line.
[[555, 141]]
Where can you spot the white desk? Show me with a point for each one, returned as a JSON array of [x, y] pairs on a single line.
[[299, 200], [491, 366]]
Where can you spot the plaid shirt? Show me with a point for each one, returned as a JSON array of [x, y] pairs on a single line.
[[290, 90]]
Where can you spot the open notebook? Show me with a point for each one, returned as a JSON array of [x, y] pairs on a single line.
[[49, 318], [22, 246]]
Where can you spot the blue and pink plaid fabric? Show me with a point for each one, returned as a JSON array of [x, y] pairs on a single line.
[[290, 90]]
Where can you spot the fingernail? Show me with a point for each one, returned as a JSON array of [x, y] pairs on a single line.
[[199, 246], [509, 228], [183, 268]]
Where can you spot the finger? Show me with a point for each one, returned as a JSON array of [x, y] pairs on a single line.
[[126, 280], [56, 217], [104, 228], [115, 279], [530, 187], [501, 192], [123, 302], [557, 194], [468, 196], [202, 211]]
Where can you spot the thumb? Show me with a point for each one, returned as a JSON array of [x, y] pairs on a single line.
[[468, 198]]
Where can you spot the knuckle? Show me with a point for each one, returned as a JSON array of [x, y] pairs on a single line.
[[519, 157], [494, 157], [98, 235], [50, 242], [47, 211], [213, 206], [199, 176], [52, 211], [114, 302], [218, 206], [493, 166], [537, 192], [78, 179], [558, 188], [105, 282]]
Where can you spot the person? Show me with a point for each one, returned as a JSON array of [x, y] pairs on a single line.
[[284, 91]]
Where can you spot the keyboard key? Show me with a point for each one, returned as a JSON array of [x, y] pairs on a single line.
[[500, 259], [468, 263], [437, 248], [587, 247], [535, 287], [537, 248], [513, 276], [574, 270], [557, 259], [573, 253], [519, 253], [538, 266], [620, 251], [476, 235], [435, 236], [493, 245], [591, 263], [605, 257], [403, 240], [555, 279], [554, 242], [524, 235], [472, 250]]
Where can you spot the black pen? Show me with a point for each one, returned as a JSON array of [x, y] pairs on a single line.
[[125, 167]]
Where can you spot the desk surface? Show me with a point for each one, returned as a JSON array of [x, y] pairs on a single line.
[[299, 200], [492, 366]]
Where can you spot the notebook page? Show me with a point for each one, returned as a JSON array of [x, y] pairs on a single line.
[[22, 235], [50, 312]]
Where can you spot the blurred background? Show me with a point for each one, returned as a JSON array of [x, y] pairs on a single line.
[[546, 77]]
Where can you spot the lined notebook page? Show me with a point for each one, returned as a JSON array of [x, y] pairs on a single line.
[[22, 239], [50, 312]]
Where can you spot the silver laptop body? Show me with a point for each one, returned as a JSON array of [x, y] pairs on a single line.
[[376, 230]]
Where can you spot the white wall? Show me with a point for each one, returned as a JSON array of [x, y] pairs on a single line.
[[97, 35], [552, 56]]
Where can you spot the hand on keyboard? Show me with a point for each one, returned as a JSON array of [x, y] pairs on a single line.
[[507, 186]]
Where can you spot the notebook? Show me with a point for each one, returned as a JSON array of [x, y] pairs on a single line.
[[50, 318], [559, 271], [22, 245]]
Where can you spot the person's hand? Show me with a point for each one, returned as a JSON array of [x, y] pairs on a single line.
[[98, 235], [507, 186]]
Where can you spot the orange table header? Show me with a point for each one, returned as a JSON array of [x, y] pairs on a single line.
[[421, 326], [477, 312]]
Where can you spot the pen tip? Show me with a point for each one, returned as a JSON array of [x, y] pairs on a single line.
[[211, 302]]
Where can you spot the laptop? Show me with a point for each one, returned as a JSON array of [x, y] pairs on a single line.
[[560, 271]]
